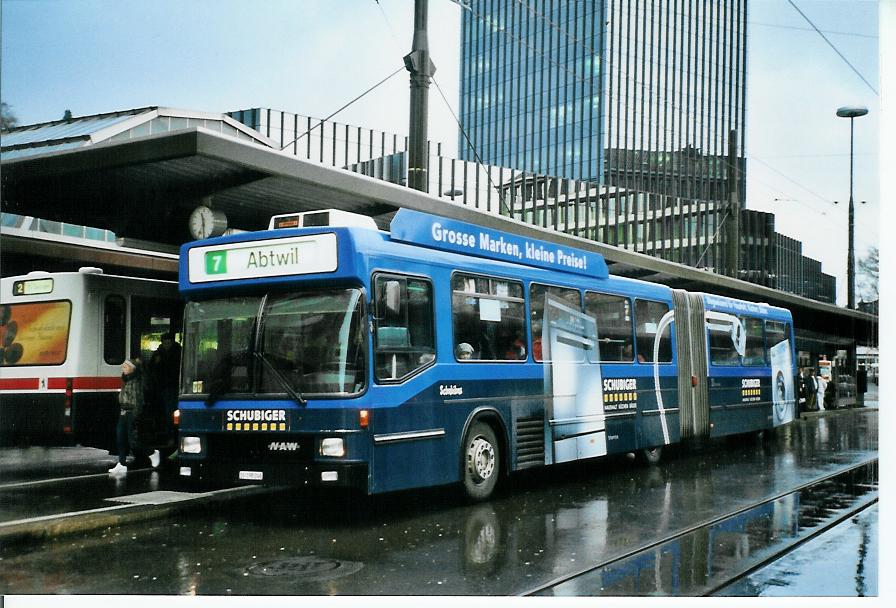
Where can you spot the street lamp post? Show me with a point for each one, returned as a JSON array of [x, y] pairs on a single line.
[[421, 68], [851, 112]]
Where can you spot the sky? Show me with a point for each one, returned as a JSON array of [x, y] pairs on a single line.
[[313, 56]]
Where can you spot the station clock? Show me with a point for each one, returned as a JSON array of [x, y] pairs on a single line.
[[206, 222]]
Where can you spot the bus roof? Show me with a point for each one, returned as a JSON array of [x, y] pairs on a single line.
[[47, 285]]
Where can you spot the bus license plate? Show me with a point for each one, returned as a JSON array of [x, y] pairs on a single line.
[[251, 475]]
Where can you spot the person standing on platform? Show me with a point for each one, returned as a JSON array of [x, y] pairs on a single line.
[[810, 390], [822, 385], [164, 373], [130, 401]]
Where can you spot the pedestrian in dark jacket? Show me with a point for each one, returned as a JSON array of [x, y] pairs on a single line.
[[830, 395], [130, 402], [164, 372], [808, 390]]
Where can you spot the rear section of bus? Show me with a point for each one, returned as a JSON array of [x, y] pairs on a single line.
[[63, 338], [41, 320]]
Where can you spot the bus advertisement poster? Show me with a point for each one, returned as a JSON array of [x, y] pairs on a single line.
[[573, 384], [460, 237], [782, 383], [34, 333]]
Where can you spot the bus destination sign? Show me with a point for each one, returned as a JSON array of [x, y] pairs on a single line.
[[257, 259], [32, 287], [460, 237]]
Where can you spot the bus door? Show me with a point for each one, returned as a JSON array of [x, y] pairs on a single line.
[[572, 377], [150, 319], [693, 392]]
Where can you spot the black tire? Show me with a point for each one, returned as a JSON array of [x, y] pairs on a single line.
[[481, 461], [652, 455]]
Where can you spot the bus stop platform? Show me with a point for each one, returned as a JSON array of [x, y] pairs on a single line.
[[52, 491]]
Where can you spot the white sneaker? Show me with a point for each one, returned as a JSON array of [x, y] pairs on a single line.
[[154, 459], [118, 469]]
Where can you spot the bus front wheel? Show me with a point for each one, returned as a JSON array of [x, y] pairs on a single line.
[[482, 463]]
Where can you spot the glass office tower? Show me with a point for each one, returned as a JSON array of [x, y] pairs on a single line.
[[530, 83], [638, 96], [645, 91]]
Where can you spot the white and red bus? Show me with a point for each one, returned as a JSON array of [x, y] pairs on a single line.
[[63, 338]]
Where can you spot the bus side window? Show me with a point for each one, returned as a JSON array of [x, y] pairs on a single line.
[[647, 319], [775, 333], [754, 353], [613, 315], [721, 347], [537, 295], [488, 319], [114, 314], [404, 336]]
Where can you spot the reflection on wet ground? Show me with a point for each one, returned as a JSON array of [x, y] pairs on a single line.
[[842, 562], [702, 560], [545, 525]]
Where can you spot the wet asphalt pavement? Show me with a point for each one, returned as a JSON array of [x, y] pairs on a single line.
[[542, 526], [840, 563]]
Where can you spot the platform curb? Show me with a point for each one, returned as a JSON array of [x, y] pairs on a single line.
[[838, 411], [23, 532]]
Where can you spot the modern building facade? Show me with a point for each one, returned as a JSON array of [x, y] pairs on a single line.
[[775, 260], [675, 90], [647, 98], [548, 85], [531, 86]]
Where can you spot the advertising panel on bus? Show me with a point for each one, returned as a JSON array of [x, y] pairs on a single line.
[[34, 333], [460, 237]]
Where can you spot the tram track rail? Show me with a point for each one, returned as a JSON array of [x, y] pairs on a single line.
[[787, 549], [870, 498]]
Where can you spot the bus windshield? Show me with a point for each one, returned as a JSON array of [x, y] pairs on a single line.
[[295, 343]]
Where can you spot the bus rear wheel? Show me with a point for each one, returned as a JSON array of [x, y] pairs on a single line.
[[482, 462]]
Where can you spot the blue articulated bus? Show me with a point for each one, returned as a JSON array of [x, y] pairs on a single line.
[[324, 351]]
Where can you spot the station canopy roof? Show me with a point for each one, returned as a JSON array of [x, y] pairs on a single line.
[[141, 173], [81, 131]]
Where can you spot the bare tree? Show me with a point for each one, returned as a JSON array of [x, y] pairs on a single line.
[[8, 120], [869, 270]]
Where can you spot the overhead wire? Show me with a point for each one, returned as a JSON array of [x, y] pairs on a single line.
[[828, 201], [831, 44], [463, 131], [809, 29], [323, 120]]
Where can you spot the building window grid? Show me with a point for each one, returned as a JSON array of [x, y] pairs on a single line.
[[707, 79]]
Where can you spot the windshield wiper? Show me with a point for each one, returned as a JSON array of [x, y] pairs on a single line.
[[290, 389], [220, 381]]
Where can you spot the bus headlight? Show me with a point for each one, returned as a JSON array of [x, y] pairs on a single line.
[[332, 446], [190, 445]]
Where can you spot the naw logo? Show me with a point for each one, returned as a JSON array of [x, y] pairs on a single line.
[[283, 446]]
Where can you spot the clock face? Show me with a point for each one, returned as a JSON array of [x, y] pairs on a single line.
[[205, 222]]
